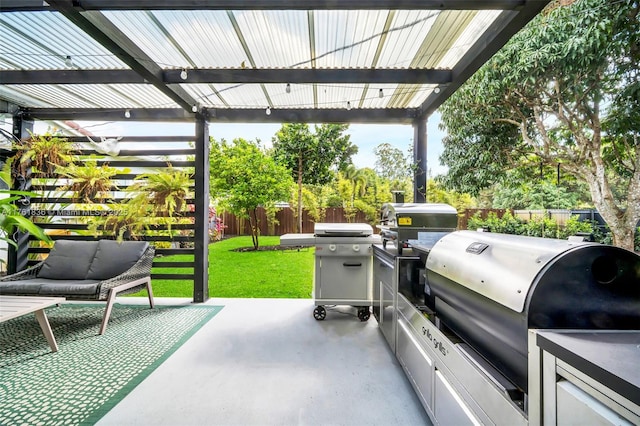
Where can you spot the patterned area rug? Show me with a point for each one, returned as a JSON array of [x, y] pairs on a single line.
[[90, 373]]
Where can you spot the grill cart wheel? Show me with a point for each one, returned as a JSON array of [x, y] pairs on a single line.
[[364, 314], [319, 313]]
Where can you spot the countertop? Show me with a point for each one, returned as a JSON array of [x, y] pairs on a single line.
[[610, 357]]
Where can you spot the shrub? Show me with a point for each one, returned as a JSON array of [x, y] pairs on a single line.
[[544, 227]]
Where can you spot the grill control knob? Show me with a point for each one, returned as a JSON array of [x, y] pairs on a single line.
[[356, 247], [332, 247]]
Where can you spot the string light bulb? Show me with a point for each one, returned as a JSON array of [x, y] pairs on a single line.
[[436, 90], [380, 93], [194, 108], [183, 74], [127, 114], [268, 110], [288, 89], [348, 105], [68, 62]]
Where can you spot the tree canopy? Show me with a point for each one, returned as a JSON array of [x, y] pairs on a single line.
[[243, 177], [392, 163], [312, 158], [563, 91]]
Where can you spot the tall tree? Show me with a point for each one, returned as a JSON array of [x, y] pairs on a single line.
[[392, 163], [564, 91], [243, 177], [312, 157]]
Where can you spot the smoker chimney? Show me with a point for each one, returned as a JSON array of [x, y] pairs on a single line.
[[398, 196]]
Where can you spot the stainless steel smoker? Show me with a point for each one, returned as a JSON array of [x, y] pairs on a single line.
[[520, 330], [403, 223], [491, 288]]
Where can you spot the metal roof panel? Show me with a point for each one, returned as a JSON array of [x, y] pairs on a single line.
[[275, 39], [347, 38], [480, 22], [43, 40]]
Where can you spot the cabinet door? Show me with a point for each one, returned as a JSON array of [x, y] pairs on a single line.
[[388, 315], [416, 362], [344, 279], [449, 407]]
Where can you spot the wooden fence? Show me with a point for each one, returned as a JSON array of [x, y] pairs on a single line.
[[285, 221]]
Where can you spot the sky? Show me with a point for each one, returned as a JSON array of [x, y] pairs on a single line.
[[365, 136]]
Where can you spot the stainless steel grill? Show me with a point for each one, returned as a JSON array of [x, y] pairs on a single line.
[[343, 265]]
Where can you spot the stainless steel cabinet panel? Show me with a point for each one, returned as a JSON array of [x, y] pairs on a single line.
[[388, 315], [416, 362], [576, 407], [449, 407], [343, 279]]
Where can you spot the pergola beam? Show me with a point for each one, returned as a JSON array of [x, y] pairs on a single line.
[[86, 5], [242, 115], [295, 76]]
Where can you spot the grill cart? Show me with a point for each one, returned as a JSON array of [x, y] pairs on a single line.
[[343, 265]]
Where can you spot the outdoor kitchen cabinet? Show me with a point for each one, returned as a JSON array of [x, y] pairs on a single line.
[[389, 272], [585, 377], [445, 374]]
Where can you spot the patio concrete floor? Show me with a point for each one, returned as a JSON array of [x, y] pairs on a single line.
[[269, 362]]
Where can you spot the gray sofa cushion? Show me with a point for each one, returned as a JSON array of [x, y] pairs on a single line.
[[25, 287], [113, 258], [42, 287], [69, 288], [69, 260]]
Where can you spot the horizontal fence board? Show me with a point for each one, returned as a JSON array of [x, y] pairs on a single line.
[[146, 163], [97, 201], [84, 226], [43, 212], [139, 152], [172, 276], [39, 250], [170, 252], [115, 188], [173, 264], [167, 239], [150, 139]]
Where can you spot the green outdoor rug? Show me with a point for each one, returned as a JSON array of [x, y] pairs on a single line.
[[90, 373]]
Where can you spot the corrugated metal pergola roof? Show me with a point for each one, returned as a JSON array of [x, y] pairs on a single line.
[[310, 60]]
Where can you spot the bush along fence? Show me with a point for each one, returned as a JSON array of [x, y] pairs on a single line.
[[559, 224], [87, 191]]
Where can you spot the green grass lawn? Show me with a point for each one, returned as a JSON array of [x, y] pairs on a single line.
[[277, 273]]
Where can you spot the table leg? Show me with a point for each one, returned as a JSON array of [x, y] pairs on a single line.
[[46, 329]]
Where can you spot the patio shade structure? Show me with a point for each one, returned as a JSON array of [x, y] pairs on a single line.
[[210, 61]]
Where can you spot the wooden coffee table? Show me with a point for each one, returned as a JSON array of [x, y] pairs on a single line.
[[16, 306]]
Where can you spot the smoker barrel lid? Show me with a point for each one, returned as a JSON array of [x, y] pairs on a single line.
[[498, 266], [342, 230], [418, 208]]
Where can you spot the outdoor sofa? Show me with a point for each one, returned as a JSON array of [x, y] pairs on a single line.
[[87, 271]]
